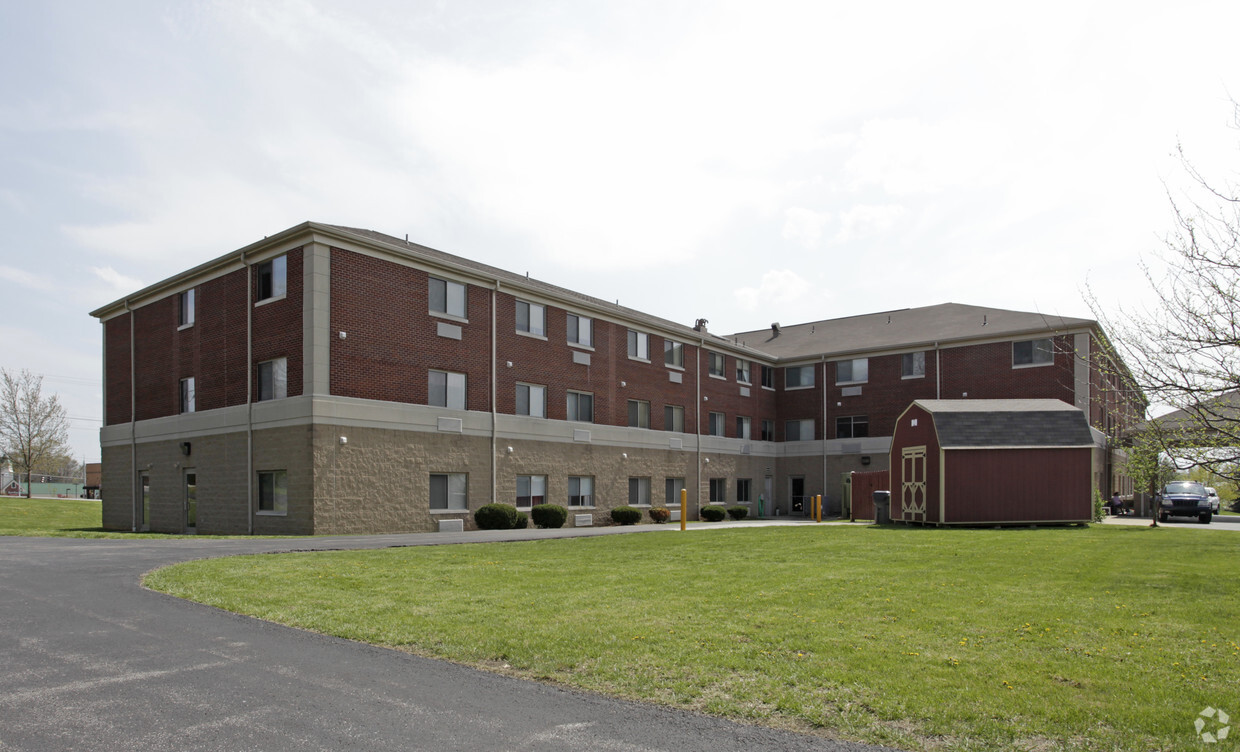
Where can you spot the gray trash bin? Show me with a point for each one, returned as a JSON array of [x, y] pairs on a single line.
[[882, 507]]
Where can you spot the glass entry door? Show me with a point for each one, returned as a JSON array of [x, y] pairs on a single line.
[[191, 501], [144, 511]]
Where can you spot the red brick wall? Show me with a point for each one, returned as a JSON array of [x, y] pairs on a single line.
[[219, 333], [799, 404], [278, 329], [116, 376]]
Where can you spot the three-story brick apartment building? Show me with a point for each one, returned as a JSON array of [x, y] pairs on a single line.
[[335, 380]]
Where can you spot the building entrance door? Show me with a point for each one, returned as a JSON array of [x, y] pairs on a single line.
[[191, 501], [144, 502], [796, 496]]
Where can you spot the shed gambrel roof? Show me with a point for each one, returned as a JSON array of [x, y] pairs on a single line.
[[1008, 423]]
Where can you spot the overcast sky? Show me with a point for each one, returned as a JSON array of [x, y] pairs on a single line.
[[740, 162]]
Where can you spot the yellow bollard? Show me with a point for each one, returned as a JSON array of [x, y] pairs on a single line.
[[684, 501], [818, 508]]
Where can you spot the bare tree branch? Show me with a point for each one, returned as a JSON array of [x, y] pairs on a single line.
[[33, 429]]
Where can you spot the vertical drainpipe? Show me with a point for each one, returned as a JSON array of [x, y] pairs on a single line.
[[494, 426], [824, 428], [938, 374], [697, 491], [133, 422], [249, 401]]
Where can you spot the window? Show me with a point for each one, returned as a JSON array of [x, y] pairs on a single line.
[[852, 371], [532, 400], [673, 353], [639, 345], [187, 395], [639, 414], [742, 428], [743, 486], [446, 390], [580, 330], [531, 318], [768, 430], [639, 492], [768, 377], [913, 365], [273, 379], [674, 418], [186, 313], [852, 427], [273, 492], [715, 424], [580, 491], [715, 364], [272, 278], [1033, 352], [672, 488], [446, 297], [531, 490], [742, 371], [796, 377], [448, 492], [581, 407], [799, 430], [718, 490]]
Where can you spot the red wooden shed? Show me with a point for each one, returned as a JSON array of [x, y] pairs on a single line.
[[974, 462]]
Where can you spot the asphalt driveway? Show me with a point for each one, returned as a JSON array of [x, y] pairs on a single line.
[[89, 660]]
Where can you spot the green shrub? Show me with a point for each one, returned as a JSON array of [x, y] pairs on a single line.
[[549, 515], [712, 513], [660, 514], [496, 517], [738, 512], [521, 522], [1099, 506], [626, 515]]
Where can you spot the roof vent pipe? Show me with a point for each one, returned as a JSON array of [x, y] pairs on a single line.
[[775, 329], [699, 325]]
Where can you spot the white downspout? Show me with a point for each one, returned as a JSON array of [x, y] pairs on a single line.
[[494, 410], [938, 374], [133, 422], [697, 491], [249, 396]]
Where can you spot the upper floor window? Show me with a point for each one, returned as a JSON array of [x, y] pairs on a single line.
[[742, 427], [852, 371], [716, 364], [446, 297], [715, 424], [446, 389], [187, 400], [639, 414], [799, 430], [531, 318], [185, 316], [852, 427], [580, 330], [798, 376], [532, 400], [768, 430], [581, 407], [913, 365], [639, 345], [1033, 352], [673, 353], [273, 379], [768, 377], [742, 371], [674, 418], [273, 278]]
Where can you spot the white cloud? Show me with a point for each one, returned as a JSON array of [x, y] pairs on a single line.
[[780, 289], [118, 284], [28, 280], [865, 221], [804, 226]]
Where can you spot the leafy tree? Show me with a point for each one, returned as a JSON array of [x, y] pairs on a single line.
[[33, 429]]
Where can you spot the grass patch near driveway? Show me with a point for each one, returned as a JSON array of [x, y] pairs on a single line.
[[70, 518], [1047, 639]]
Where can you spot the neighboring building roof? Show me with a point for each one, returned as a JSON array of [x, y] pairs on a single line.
[[904, 328], [1008, 423]]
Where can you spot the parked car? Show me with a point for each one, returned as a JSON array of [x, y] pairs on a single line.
[[1184, 498], [1214, 500]]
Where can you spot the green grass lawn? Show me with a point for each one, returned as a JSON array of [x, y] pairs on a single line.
[[66, 518], [1023, 639]]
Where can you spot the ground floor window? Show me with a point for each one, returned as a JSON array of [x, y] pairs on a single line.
[[718, 490], [273, 492], [580, 491], [448, 492], [639, 492], [673, 488], [531, 490], [743, 486]]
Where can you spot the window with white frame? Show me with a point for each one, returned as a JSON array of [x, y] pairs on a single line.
[[531, 318], [798, 377], [913, 365], [715, 364], [446, 389], [674, 418], [639, 345], [742, 371], [580, 491], [852, 427], [187, 398], [768, 377], [799, 430], [718, 490], [673, 353], [531, 490], [671, 491], [446, 297], [581, 407], [743, 489], [639, 414], [639, 492], [448, 492], [273, 379], [768, 430], [185, 313], [273, 492], [742, 427], [853, 371], [532, 400], [714, 424], [1033, 352], [580, 330], [271, 278]]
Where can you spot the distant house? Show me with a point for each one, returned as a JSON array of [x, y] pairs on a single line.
[[1004, 461], [94, 474]]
